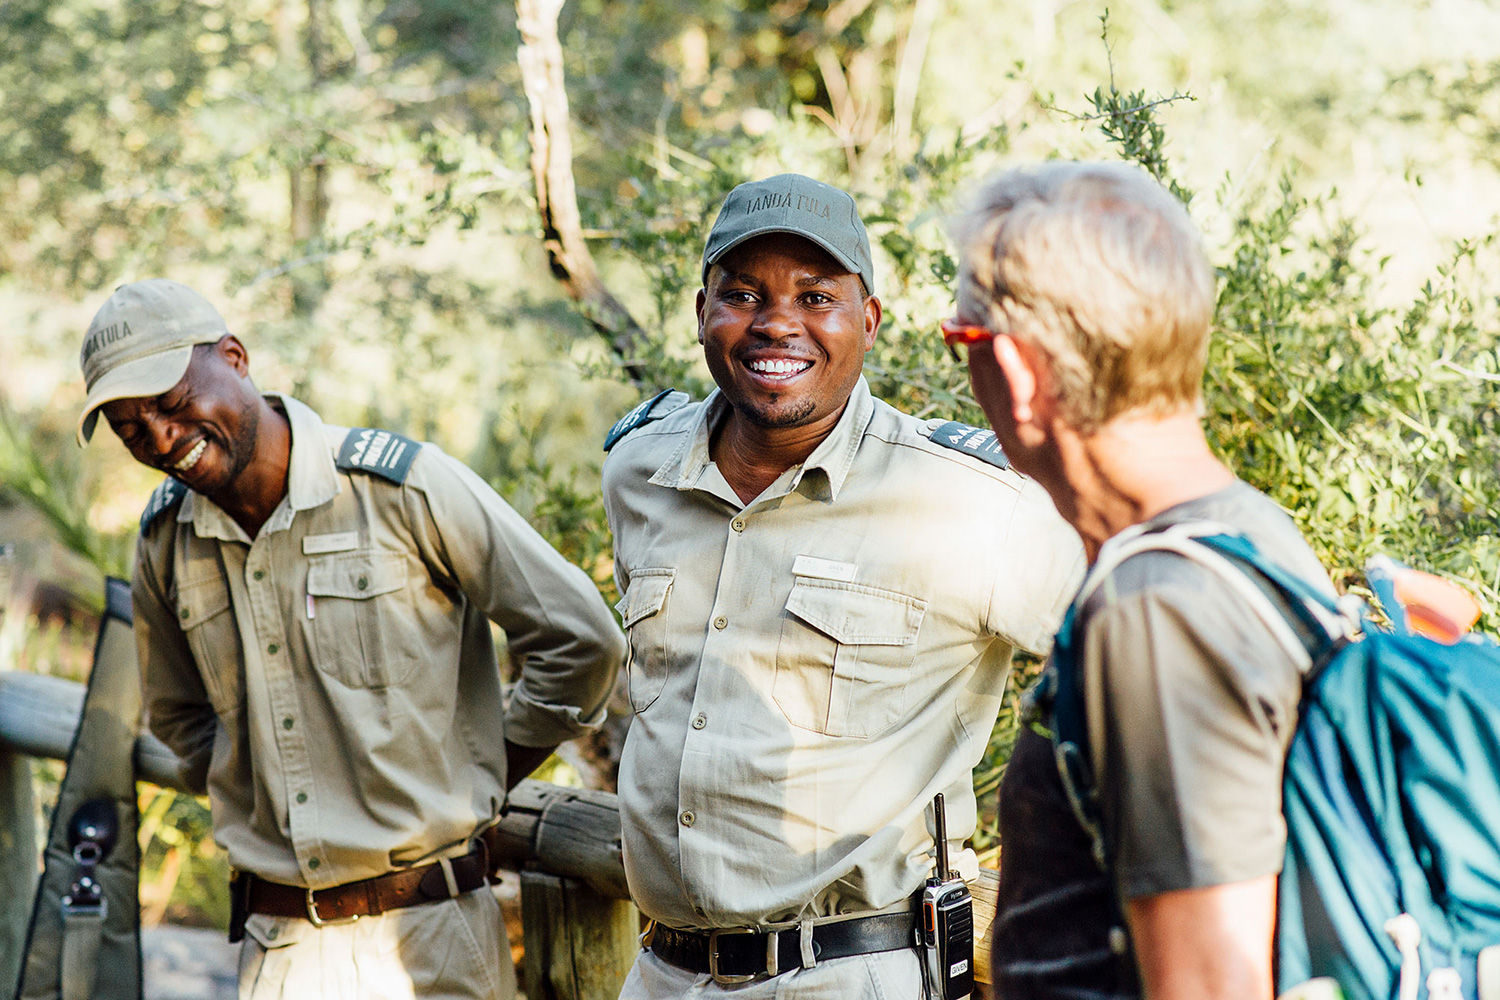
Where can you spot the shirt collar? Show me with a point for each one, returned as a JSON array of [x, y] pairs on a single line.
[[834, 455], [312, 479]]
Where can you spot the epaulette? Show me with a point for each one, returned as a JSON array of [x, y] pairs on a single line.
[[166, 496], [655, 408], [381, 453], [975, 441]]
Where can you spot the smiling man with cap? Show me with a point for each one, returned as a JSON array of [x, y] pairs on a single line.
[[312, 613], [822, 595]]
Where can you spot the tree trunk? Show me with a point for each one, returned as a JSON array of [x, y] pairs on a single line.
[[540, 58], [307, 183]]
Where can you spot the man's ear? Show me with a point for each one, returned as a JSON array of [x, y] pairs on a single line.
[[872, 321], [233, 353], [1017, 364], [702, 298]]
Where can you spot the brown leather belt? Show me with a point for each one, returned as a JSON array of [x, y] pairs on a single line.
[[429, 883]]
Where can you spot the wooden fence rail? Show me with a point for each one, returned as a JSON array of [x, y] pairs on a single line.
[[580, 928]]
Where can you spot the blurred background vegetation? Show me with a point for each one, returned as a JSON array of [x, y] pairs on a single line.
[[349, 181]]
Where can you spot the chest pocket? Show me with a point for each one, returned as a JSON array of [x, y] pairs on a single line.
[[359, 627], [845, 656], [203, 612], [643, 613]]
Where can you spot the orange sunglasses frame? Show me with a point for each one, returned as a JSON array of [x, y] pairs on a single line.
[[955, 333]]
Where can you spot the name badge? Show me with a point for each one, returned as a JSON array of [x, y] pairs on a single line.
[[823, 569], [342, 541]]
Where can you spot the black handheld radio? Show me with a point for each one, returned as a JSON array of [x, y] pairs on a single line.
[[947, 929]]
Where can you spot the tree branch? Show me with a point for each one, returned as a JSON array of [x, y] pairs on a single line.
[[540, 59]]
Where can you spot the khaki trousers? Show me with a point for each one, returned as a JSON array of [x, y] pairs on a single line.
[[884, 975], [453, 950]]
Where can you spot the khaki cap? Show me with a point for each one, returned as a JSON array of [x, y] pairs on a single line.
[[792, 203], [141, 342]]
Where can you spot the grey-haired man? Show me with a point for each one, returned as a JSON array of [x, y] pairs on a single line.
[[312, 610], [821, 595]]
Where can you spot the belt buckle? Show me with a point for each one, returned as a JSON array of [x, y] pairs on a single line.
[[713, 957], [317, 921]]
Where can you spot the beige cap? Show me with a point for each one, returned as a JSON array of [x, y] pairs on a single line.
[[141, 342]]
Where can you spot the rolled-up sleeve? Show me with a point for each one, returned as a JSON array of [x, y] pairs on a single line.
[[556, 624], [178, 709]]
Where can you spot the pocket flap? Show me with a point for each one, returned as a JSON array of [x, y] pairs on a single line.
[[645, 595], [856, 614], [275, 932], [357, 575], [200, 600]]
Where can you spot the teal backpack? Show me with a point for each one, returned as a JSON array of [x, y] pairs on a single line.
[[1390, 888]]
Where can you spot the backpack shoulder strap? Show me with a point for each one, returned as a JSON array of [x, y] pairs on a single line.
[[1304, 622]]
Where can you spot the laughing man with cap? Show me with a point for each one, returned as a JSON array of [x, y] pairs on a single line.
[[821, 595], [312, 612]]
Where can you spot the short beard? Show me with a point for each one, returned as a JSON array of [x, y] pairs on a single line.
[[779, 419], [244, 443]]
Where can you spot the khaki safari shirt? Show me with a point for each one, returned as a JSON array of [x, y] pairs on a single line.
[[809, 669], [333, 681]]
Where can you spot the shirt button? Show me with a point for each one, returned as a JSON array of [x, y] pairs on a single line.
[[260, 574], [721, 622], [287, 723], [301, 797], [272, 648], [738, 524], [362, 582], [700, 720], [185, 613], [273, 932], [313, 863], [688, 817]]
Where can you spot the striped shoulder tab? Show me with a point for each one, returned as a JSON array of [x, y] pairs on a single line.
[[655, 408], [976, 441], [165, 497], [380, 453]]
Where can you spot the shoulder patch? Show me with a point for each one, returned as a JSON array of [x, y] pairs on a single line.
[[974, 441], [381, 453], [655, 408], [166, 496]]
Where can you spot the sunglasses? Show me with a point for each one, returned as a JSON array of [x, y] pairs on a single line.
[[955, 333]]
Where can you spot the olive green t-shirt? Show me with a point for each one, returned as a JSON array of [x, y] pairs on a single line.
[[1199, 704]]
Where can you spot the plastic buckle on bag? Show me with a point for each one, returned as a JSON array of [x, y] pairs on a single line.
[[770, 970], [317, 921]]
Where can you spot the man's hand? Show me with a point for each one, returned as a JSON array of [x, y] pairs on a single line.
[[1206, 944], [521, 761]]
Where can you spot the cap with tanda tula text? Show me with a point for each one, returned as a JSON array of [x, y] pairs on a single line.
[[792, 203], [140, 343]]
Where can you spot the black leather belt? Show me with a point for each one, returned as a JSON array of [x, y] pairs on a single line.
[[738, 956]]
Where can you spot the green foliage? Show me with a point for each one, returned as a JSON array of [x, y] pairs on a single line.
[[1374, 426], [183, 872], [173, 137], [1130, 123], [51, 486]]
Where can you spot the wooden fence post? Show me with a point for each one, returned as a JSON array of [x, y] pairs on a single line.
[[18, 853], [580, 943]]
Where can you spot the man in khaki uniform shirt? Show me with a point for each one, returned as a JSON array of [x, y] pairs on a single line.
[[313, 608], [821, 595]]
